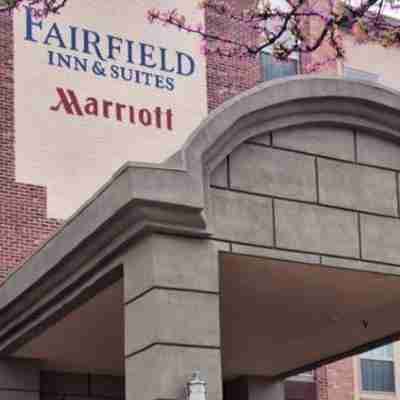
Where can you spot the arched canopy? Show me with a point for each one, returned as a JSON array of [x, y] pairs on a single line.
[[232, 186], [287, 103]]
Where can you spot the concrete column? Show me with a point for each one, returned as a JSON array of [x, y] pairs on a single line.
[[19, 380], [249, 388], [172, 317]]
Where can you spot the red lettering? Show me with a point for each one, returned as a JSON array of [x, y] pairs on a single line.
[[119, 107], [158, 117], [106, 108], [145, 117], [169, 119], [92, 107], [158, 113], [69, 101], [132, 115]]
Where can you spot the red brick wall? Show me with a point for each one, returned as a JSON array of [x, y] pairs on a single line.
[[336, 381], [321, 380], [340, 378], [7, 162], [227, 77], [23, 222]]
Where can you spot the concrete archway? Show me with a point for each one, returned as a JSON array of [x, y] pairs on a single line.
[[267, 245]]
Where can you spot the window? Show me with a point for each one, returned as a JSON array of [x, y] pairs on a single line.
[[352, 73], [273, 68], [377, 370]]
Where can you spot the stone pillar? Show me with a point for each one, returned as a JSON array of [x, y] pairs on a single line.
[[172, 317], [19, 380]]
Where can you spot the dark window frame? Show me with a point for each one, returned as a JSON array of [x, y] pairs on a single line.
[[377, 371]]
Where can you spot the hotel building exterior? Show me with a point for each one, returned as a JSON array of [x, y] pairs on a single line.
[[259, 248]]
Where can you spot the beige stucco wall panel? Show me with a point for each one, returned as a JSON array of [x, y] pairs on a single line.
[[374, 58]]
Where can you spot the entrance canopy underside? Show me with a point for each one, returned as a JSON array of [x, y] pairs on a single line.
[[279, 316], [89, 339], [276, 317]]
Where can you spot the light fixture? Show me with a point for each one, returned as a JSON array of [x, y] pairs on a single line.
[[196, 388]]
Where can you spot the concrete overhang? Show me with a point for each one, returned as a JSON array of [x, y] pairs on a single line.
[[282, 317], [81, 259]]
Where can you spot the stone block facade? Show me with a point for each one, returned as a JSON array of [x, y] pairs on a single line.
[[316, 229], [164, 316], [377, 151], [147, 368], [328, 142], [274, 172], [241, 217], [334, 195], [380, 238], [357, 187], [171, 285], [310, 194]]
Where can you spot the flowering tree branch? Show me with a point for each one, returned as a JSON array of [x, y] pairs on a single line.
[[299, 26]]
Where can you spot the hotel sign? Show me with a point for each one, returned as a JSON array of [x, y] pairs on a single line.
[[97, 86]]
